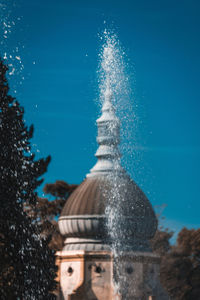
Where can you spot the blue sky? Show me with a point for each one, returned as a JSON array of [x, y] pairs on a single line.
[[58, 47]]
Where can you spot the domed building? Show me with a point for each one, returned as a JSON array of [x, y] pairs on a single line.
[[107, 223]]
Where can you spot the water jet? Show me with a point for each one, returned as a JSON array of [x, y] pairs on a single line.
[[108, 221]]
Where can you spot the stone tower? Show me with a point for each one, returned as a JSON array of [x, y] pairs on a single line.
[[87, 264]]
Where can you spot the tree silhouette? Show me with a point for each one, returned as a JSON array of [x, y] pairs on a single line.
[[180, 264], [180, 267], [160, 243], [27, 264], [47, 212]]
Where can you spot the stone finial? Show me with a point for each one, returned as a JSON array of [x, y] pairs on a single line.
[[108, 138]]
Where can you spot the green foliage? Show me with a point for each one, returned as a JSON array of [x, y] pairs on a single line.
[[27, 264]]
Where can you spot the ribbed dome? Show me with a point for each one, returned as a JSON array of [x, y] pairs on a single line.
[[87, 199], [84, 215], [92, 197]]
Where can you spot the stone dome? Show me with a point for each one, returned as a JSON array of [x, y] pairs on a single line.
[[90, 198], [84, 218], [87, 199]]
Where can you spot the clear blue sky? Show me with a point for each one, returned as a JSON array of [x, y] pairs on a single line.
[[58, 46]]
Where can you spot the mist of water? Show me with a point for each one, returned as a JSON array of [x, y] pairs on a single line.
[[114, 79]]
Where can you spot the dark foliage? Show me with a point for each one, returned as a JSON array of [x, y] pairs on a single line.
[[180, 268], [47, 212], [160, 243], [60, 189], [180, 264], [27, 264]]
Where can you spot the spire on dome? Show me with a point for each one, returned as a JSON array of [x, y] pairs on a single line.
[[108, 138]]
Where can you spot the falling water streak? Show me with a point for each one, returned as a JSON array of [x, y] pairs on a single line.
[[113, 80], [113, 60]]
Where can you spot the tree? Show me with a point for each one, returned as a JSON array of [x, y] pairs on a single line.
[[47, 212], [160, 243], [180, 267], [27, 264], [180, 264]]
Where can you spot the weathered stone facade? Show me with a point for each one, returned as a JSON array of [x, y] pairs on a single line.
[[85, 275]]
